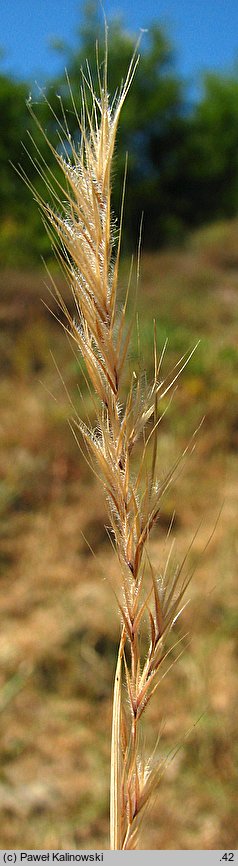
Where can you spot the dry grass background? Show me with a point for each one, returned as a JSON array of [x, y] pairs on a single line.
[[59, 625]]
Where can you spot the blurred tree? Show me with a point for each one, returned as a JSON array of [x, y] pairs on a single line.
[[13, 114], [212, 148], [22, 236], [183, 160], [151, 112]]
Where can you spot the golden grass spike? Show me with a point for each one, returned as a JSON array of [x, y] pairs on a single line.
[[88, 249]]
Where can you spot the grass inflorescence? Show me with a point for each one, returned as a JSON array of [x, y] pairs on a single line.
[[122, 445]]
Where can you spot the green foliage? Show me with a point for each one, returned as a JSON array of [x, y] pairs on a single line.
[[183, 160], [208, 165], [21, 236], [13, 121]]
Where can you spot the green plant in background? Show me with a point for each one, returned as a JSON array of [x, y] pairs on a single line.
[[87, 240], [182, 161]]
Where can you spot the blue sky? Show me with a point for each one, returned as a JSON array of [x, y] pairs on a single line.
[[204, 32]]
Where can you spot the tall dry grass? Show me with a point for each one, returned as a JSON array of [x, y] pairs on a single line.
[[122, 446]]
